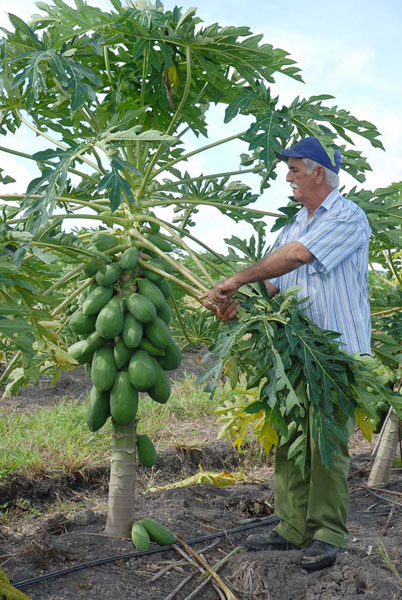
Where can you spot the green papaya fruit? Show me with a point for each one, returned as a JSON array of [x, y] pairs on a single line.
[[165, 313], [153, 227], [158, 533], [150, 348], [111, 274], [83, 350], [149, 274], [160, 391], [158, 333], [164, 265], [139, 536], [76, 351], [132, 331], [149, 289], [172, 358], [103, 369], [146, 451], [128, 259], [121, 354], [92, 342], [72, 308], [141, 307], [165, 287], [82, 324], [141, 371], [160, 242], [103, 241], [96, 300], [91, 268], [123, 399], [98, 409], [110, 320]]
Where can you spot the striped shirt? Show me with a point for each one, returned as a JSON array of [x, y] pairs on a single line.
[[336, 282]]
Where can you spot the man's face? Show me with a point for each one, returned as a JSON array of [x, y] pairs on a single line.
[[304, 186]]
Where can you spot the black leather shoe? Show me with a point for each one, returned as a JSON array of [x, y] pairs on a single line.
[[268, 541], [320, 555]]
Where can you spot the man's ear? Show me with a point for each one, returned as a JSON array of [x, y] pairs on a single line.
[[320, 174]]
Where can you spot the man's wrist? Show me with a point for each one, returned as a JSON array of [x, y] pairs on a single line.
[[236, 280]]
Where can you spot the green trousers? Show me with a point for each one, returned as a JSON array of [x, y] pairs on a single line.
[[314, 506]]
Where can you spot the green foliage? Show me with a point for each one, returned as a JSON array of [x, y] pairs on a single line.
[[383, 210], [111, 95], [127, 80], [193, 328], [297, 372]]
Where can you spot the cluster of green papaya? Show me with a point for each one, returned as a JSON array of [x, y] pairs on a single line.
[[124, 340]]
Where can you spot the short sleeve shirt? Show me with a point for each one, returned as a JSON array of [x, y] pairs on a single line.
[[336, 282]]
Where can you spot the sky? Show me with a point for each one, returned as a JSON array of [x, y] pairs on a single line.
[[351, 49]]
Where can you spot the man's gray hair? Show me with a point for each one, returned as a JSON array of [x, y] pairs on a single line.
[[331, 178]]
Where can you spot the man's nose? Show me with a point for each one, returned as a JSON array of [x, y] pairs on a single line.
[[289, 176]]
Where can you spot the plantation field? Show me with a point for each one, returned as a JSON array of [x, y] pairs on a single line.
[[53, 494]]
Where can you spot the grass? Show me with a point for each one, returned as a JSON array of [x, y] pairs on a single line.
[[56, 440]]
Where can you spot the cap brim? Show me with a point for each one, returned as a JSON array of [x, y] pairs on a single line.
[[286, 154]]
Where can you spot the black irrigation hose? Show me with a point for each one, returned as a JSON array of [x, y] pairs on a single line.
[[102, 561]]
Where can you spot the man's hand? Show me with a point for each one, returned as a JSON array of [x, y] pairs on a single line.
[[222, 291], [226, 311], [221, 298]]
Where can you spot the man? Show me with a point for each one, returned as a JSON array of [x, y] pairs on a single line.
[[324, 250]]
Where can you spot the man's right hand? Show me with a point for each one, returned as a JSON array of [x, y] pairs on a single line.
[[226, 311]]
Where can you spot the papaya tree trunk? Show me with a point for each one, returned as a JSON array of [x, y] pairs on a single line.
[[121, 504], [386, 451]]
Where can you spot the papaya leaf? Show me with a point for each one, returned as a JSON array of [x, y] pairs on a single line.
[[134, 134], [5, 178], [80, 91], [232, 372], [396, 402], [19, 332], [298, 451], [324, 430], [254, 407], [364, 423], [268, 436], [117, 187]]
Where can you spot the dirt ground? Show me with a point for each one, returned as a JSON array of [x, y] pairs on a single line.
[[56, 525]]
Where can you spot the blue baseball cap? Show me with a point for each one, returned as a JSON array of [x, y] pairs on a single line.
[[310, 147]]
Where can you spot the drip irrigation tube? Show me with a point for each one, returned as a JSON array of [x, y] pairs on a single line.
[[126, 556]]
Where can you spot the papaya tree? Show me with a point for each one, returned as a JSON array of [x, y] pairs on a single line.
[[112, 98]]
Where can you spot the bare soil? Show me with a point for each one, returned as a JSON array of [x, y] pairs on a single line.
[[51, 525]]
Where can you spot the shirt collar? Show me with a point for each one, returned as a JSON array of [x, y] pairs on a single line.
[[326, 205]]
